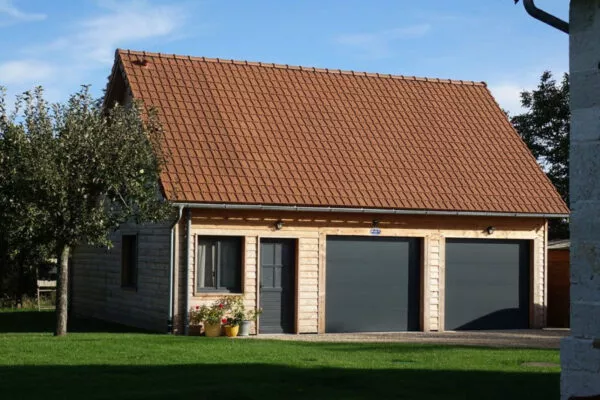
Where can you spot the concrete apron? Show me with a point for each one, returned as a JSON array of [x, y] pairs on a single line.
[[535, 339], [580, 353]]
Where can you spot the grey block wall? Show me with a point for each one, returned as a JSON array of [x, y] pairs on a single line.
[[96, 280], [580, 359]]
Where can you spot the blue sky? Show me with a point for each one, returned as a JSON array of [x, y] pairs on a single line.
[[63, 44]]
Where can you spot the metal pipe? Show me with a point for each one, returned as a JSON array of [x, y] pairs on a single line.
[[545, 17], [172, 269], [187, 268], [264, 207]]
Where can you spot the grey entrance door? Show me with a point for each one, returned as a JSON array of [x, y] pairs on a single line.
[[487, 284], [373, 284], [277, 260]]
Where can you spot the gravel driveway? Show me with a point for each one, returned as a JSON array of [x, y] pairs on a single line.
[[542, 339]]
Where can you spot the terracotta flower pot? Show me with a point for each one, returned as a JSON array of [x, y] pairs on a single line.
[[212, 330], [232, 330]]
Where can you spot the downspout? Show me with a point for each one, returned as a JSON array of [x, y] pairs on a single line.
[[187, 269], [172, 270], [545, 17]]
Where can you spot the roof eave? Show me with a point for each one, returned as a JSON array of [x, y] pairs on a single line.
[[361, 210]]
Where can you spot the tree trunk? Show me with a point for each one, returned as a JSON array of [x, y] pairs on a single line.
[[62, 291]]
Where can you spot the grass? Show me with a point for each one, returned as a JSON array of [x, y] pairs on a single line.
[[119, 365], [47, 301]]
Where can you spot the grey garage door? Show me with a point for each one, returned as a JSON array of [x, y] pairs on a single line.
[[487, 284], [373, 284]]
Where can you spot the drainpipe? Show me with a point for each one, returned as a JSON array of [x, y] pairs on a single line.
[[187, 268], [172, 270], [545, 17]]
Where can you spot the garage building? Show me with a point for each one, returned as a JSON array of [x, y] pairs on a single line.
[[336, 201]]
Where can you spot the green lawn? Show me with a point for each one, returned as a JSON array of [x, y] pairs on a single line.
[[121, 365]]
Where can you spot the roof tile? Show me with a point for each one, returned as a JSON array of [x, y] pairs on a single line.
[[247, 132]]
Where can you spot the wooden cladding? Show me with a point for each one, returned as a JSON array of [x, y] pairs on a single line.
[[311, 231]]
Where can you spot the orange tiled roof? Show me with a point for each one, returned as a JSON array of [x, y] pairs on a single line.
[[258, 133]]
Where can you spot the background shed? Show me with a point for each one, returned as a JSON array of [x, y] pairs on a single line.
[[558, 283]]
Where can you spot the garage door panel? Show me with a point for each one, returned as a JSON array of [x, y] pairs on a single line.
[[507, 318], [372, 284], [487, 284]]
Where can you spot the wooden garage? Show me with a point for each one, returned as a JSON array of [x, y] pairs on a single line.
[[336, 201]]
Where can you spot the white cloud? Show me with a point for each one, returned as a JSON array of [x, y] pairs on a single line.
[[507, 90], [10, 14], [20, 72], [125, 23], [508, 95], [94, 40], [70, 59], [379, 44]]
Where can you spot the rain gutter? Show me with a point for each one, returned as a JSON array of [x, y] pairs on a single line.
[[264, 207]]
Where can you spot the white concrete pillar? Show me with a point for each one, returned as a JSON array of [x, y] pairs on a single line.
[[580, 353]]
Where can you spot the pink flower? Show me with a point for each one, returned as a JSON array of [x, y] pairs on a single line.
[[221, 305]]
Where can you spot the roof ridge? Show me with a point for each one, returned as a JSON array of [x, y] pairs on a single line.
[[300, 68]]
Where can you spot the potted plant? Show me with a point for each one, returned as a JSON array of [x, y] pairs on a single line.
[[249, 317], [240, 316], [212, 317], [235, 307], [195, 325], [232, 326]]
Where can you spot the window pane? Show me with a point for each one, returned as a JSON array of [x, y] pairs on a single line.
[[278, 270], [128, 260], [133, 261], [206, 263], [267, 254], [267, 276], [230, 263], [277, 249], [219, 257]]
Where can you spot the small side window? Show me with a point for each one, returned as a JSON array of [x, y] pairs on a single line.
[[129, 261]]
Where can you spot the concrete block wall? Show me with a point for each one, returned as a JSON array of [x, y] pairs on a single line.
[[579, 357]]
